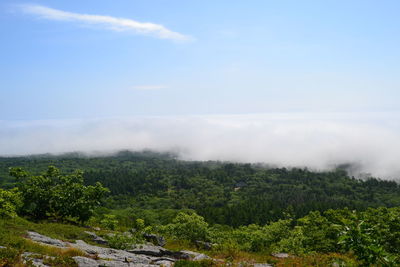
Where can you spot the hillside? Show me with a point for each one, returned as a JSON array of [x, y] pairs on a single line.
[[224, 213], [223, 193]]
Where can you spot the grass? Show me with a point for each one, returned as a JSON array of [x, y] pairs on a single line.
[[12, 236]]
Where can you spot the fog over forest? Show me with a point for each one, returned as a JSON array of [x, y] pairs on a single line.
[[371, 141]]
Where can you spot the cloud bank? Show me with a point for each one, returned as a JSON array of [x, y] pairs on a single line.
[[318, 141], [107, 22]]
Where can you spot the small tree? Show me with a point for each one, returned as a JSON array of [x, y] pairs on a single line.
[[189, 226], [54, 195]]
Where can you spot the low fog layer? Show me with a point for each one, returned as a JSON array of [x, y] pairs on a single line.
[[318, 141]]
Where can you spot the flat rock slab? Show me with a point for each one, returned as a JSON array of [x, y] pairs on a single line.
[[149, 250], [85, 262], [111, 254], [46, 240], [280, 255], [195, 255]]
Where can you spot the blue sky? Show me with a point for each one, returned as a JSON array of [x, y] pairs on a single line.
[[292, 83], [226, 57]]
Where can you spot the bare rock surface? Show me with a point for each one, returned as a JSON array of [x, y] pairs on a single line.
[[97, 239], [110, 253], [31, 258], [149, 250], [280, 255], [143, 255], [46, 240]]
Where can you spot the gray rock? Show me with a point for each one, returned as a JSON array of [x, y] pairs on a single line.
[[111, 254], [85, 262], [46, 240], [191, 254], [204, 245], [196, 256], [263, 265], [97, 239], [149, 250], [165, 263], [155, 239], [2, 247], [280, 255], [201, 257], [33, 259]]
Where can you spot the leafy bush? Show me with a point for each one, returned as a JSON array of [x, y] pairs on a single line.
[[188, 226], [109, 221], [123, 240], [10, 201], [54, 195], [357, 236]]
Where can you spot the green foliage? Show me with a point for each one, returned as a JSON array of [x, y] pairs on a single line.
[[123, 240], [54, 195], [358, 237], [109, 221], [318, 233], [10, 201], [188, 226], [259, 238], [222, 193]]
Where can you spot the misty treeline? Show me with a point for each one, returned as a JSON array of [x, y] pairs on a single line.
[[155, 186]]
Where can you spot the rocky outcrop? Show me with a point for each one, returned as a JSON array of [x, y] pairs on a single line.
[[46, 240], [139, 255], [155, 239], [97, 239], [204, 245], [280, 255]]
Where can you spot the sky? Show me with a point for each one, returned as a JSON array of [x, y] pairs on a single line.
[[300, 65]]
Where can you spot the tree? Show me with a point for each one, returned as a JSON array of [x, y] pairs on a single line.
[[52, 194]]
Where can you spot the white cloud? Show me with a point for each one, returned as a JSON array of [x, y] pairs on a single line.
[[149, 87], [107, 22], [292, 139]]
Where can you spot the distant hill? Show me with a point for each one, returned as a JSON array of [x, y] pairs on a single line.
[[222, 192]]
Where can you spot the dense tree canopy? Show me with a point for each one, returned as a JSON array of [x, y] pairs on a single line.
[[223, 193]]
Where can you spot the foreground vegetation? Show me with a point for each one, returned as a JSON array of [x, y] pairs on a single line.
[[240, 213]]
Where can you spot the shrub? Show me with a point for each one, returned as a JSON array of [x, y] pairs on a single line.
[[109, 221], [123, 240], [60, 196], [10, 201], [188, 226]]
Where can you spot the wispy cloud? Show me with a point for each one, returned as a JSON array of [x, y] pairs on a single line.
[[107, 22], [149, 87]]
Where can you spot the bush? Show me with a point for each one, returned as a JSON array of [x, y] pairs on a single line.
[[59, 196], [123, 240], [188, 226], [10, 201], [109, 221]]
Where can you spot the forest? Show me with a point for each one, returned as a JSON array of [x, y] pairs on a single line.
[[242, 208]]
